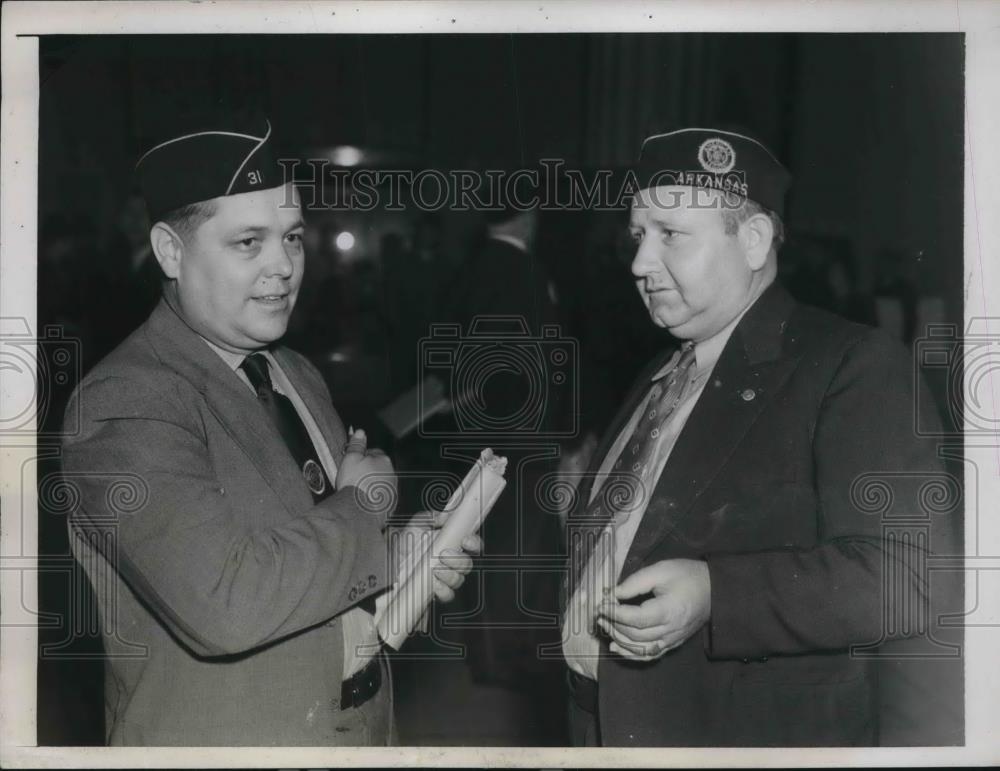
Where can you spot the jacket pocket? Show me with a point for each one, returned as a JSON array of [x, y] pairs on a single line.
[[806, 704]]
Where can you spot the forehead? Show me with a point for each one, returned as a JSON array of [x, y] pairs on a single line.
[[676, 202], [275, 206]]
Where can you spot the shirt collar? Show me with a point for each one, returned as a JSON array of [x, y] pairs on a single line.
[[517, 243], [233, 360], [707, 352]]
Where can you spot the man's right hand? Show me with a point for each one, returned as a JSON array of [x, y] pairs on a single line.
[[371, 472]]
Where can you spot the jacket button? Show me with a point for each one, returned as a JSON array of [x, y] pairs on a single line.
[[748, 395], [746, 660], [763, 659]]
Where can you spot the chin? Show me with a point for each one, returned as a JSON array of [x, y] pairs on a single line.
[[269, 333], [664, 319]]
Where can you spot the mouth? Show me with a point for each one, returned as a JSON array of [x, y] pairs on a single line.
[[274, 301]]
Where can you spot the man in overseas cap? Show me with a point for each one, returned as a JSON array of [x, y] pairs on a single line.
[[227, 522], [723, 561]]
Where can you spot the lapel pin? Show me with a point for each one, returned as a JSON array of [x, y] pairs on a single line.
[[748, 394]]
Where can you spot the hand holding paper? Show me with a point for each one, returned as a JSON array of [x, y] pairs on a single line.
[[427, 550], [370, 470], [455, 564]]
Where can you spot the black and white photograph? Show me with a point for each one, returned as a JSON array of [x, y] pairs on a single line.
[[522, 384]]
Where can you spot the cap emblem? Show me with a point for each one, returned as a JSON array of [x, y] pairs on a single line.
[[716, 155]]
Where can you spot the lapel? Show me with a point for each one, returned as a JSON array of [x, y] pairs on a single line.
[[752, 368], [312, 391], [227, 397]]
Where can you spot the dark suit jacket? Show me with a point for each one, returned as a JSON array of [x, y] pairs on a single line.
[[219, 581], [799, 453]]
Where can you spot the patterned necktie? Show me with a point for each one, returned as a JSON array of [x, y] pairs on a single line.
[[286, 419], [630, 481]]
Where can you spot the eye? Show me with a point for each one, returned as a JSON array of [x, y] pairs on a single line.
[[667, 233], [294, 238], [636, 235], [247, 244]]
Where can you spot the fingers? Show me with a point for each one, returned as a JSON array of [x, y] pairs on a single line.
[[633, 655], [450, 574], [649, 614], [357, 441], [639, 650], [452, 568], [641, 634], [629, 648], [472, 544], [640, 582], [443, 592]]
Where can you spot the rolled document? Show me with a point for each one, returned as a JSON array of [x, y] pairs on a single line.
[[469, 504]]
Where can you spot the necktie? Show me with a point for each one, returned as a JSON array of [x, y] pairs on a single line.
[[286, 419], [630, 480], [293, 431]]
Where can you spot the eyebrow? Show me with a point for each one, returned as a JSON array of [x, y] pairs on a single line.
[[257, 229]]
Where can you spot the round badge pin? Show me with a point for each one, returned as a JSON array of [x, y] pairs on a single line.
[[313, 475], [716, 155]]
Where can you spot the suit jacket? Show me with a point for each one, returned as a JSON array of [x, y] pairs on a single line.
[[798, 456], [218, 580]]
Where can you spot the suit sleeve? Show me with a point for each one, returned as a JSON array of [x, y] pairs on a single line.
[[220, 587], [868, 463]]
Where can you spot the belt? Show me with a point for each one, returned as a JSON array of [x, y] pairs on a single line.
[[583, 691], [361, 686]]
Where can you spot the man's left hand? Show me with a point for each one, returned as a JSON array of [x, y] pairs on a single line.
[[680, 606], [453, 564]]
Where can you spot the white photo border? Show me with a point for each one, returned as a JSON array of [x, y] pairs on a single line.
[[23, 22]]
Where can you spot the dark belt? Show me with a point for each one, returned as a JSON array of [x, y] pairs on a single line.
[[361, 686], [583, 691]]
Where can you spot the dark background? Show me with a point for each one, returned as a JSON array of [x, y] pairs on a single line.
[[870, 125]]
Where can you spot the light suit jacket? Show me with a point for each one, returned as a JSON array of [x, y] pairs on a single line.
[[219, 581]]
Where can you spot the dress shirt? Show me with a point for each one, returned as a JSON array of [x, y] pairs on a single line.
[[580, 646], [360, 635]]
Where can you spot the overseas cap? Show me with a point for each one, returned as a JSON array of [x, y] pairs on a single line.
[[212, 159], [715, 160]]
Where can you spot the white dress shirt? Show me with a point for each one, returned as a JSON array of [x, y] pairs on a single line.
[[580, 646], [360, 635]]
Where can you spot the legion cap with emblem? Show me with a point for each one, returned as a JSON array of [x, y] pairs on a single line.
[[715, 159], [207, 158]]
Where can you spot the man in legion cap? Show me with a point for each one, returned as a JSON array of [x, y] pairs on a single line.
[[723, 562], [227, 525]]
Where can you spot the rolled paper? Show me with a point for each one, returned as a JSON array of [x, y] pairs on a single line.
[[469, 505]]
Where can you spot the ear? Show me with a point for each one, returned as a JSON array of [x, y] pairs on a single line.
[[168, 248], [756, 236]]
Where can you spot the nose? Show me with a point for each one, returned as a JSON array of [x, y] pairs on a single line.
[[645, 262], [279, 265]]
